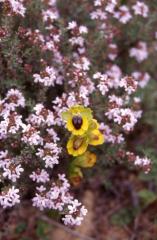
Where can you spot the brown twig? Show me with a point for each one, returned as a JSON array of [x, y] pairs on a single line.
[[68, 230]]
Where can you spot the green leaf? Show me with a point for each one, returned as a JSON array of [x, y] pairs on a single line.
[[65, 115], [21, 227], [147, 196], [123, 217], [42, 229]]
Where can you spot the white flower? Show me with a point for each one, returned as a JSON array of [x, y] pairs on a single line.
[[72, 25], [104, 83], [117, 100], [114, 73], [143, 162], [123, 14], [50, 15], [9, 198], [31, 135], [140, 53], [129, 84], [111, 4], [141, 78], [72, 218], [83, 29], [98, 14], [14, 98], [49, 154], [40, 201], [97, 2], [48, 77], [40, 176], [141, 8], [77, 41], [16, 6], [12, 171], [112, 51]]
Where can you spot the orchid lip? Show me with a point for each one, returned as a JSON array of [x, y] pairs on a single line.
[[77, 122]]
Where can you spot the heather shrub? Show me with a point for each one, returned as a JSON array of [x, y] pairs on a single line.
[[74, 76]]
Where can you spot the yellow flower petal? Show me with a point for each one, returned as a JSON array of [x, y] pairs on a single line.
[[78, 119], [96, 138], [87, 160], [77, 145]]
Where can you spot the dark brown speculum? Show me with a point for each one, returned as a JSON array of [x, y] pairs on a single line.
[[77, 122]]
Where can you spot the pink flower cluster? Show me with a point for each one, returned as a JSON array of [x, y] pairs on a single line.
[[57, 197], [14, 7], [36, 132]]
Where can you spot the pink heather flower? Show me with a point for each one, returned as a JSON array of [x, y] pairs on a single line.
[[40, 200], [114, 73], [3, 154], [141, 8], [83, 29], [59, 198], [112, 48], [53, 134], [140, 53], [49, 154], [111, 4], [42, 116], [125, 117], [61, 104], [31, 135], [77, 41], [97, 3], [98, 14], [16, 6], [129, 84], [104, 82], [117, 101], [83, 65], [40, 176], [123, 14], [50, 15], [14, 98], [47, 77], [109, 136], [84, 94], [12, 171], [10, 124], [72, 25], [145, 163], [141, 78], [9, 198], [76, 214]]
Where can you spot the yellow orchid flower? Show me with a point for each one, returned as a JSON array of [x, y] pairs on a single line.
[[77, 119], [77, 145], [96, 137], [87, 160], [75, 176]]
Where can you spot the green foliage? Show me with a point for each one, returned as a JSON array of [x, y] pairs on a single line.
[[147, 197], [123, 217], [21, 227], [42, 230]]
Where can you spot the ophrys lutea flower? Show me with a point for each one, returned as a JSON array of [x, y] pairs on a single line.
[[77, 145], [77, 119], [85, 130]]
